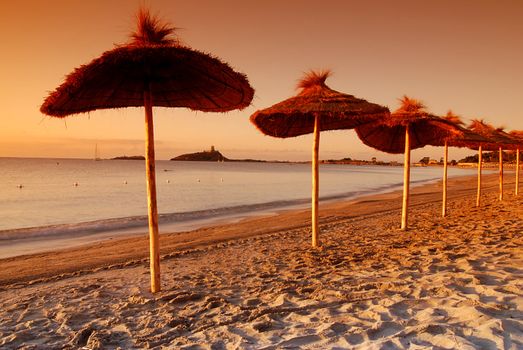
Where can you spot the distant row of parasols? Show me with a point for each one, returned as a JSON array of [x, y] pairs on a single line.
[[318, 108]]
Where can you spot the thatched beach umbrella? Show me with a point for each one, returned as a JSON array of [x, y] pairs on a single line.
[[518, 136], [409, 127], [509, 143], [478, 127], [463, 138], [153, 69], [499, 140], [316, 108]]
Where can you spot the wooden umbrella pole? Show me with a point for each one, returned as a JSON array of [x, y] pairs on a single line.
[[445, 161], [315, 181], [500, 174], [478, 195], [154, 240], [406, 181], [517, 172]]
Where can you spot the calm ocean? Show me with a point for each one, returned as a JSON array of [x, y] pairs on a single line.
[[59, 196]]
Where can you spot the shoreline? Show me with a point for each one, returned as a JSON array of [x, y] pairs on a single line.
[[107, 250], [32, 240]]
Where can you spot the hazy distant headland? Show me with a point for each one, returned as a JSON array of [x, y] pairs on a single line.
[[213, 155], [129, 158], [351, 161]]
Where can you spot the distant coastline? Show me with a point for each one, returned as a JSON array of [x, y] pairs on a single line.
[[213, 155], [349, 161], [129, 158]]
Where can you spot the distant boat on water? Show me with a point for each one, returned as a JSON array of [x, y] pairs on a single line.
[[96, 154]]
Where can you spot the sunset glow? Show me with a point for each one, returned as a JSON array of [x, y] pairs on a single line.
[[465, 56]]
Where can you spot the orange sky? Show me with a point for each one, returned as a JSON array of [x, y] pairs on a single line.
[[465, 55]]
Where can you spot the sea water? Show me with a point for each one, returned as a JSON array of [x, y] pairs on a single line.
[[40, 197]]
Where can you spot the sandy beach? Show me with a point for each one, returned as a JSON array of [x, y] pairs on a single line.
[[446, 283]]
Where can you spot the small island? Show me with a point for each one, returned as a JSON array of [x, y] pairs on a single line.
[[205, 156], [213, 155], [129, 158]]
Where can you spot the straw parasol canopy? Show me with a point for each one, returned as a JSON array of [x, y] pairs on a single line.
[[409, 127], [295, 116], [388, 135], [517, 135], [316, 108], [153, 69], [464, 137], [497, 136], [154, 61]]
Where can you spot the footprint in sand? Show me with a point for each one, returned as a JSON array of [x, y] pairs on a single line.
[[487, 280], [252, 302], [354, 339], [384, 329], [263, 324], [298, 342], [104, 339], [214, 302], [336, 329]]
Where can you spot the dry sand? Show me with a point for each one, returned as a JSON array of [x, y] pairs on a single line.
[[453, 283]]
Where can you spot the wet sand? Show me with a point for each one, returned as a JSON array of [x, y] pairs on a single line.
[[446, 283]]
